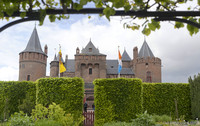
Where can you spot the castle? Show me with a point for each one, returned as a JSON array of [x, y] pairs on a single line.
[[89, 64]]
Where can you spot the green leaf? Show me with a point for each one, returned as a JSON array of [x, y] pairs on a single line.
[[42, 16], [23, 14], [108, 12], [52, 18], [146, 31], [77, 6], [178, 25], [192, 29]]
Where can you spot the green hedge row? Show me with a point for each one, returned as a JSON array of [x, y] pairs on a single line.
[[117, 99], [167, 98], [67, 92], [15, 96]]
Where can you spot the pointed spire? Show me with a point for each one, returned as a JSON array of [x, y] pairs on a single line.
[[34, 43], [145, 51], [55, 58], [125, 56]]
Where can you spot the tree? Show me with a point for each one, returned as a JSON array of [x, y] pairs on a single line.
[[153, 11], [195, 96]]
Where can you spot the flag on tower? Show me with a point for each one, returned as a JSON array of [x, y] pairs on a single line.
[[61, 65], [120, 62]]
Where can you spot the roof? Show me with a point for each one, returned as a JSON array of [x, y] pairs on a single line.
[[90, 49], [112, 68], [34, 43], [55, 58], [145, 51], [125, 56], [70, 65]]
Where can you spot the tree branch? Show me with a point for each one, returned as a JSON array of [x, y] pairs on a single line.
[[178, 20], [118, 13], [17, 22]]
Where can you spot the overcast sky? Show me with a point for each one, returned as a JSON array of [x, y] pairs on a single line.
[[179, 52]]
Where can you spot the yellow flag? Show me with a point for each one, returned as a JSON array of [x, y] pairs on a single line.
[[62, 67]]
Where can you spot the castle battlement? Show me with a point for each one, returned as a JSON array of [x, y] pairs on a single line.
[[149, 60]]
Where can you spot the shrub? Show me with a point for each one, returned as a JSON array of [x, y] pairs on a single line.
[[55, 114], [162, 118], [117, 99], [12, 96], [195, 96], [20, 119], [67, 92], [144, 120], [167, 98]]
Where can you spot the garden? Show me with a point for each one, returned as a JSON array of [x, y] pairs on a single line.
[[118, 102]]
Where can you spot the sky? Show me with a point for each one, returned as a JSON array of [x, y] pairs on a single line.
[[178, 50]]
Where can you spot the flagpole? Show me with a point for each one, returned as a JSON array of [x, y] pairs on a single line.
[[59, 62], [118, 66]]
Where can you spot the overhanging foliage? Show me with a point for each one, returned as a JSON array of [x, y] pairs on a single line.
[[131, 8]]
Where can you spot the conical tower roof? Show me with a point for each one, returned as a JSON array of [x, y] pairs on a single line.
[[145, 51], [125, 56], [34, 43]]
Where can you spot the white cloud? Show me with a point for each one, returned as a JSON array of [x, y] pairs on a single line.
[[8, 73]]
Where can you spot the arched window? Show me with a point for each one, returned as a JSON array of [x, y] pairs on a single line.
[[149, 78]]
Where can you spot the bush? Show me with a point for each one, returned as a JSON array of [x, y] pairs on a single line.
[[13, 94], [195, 96], [144, 120], [67, 92], [20, 119], [117, 99], [162, 98], [55, 114]]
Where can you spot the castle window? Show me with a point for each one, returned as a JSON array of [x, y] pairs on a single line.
[[23, 65], [112, 66], [147, 64], [90, 49], [28, 77], [149, 78], [90, 70]]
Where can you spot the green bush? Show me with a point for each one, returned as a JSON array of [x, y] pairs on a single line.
[[144, 120], [20, 119], [54, 114], [117, 99], [13, 94], [67, 92], [195, 96], [164, 98]]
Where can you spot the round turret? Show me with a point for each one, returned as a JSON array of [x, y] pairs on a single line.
[[32, 61]]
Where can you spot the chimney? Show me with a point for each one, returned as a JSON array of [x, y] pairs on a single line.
[[135, 53], [45, 49], [77, 50]]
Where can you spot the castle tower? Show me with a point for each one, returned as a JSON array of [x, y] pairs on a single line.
[[54, 67], [126, 60], [32, 61], [90, 64], [146, 65]]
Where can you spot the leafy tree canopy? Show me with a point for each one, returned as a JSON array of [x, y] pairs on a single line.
[[9, 7]]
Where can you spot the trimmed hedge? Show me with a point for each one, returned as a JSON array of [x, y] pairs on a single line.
[[13, 95], [67, 92], [117, 99], [161, 98]]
